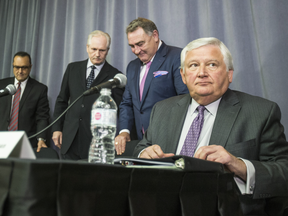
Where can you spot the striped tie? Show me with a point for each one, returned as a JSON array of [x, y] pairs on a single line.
[[13, 126]]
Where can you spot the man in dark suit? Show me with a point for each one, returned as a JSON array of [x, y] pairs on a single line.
[[146, 86], [33, 109], [72, 133], [241, 131]]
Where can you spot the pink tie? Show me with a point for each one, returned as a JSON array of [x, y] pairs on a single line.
[[144, 78], [13, 125]]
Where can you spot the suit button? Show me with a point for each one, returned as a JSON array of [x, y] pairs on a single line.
[[82, 105], [80, 119], [141, 112]]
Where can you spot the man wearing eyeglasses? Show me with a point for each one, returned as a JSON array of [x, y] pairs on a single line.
[[28, 108]]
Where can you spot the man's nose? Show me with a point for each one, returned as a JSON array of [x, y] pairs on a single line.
[[137, 50], [202, 71]]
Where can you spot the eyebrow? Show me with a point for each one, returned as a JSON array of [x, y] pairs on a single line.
[[136, 43]]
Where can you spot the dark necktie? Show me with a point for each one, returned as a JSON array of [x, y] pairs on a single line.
[[13, 125], [144, 78], [190, 143], [90, 78]]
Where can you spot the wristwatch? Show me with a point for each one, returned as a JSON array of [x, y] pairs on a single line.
[[41, 139]]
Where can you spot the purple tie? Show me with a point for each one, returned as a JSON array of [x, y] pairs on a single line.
[[190, 143], [144, 78]]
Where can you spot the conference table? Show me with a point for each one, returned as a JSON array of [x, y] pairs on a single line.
[[57, 187]]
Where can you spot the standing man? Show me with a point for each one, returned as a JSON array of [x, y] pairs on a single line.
[[28, 109], [152, 77], [72, 133], [241, 131]]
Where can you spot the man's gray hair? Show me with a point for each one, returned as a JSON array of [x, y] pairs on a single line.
[[97, 33], [147, 25], [204, 42]]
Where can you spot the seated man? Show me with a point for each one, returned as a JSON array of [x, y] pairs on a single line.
[[215, 123]]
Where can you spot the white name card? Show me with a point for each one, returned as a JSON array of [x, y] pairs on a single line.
[[15, 144]]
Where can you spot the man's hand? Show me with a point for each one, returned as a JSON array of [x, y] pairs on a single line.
[[217, 153], [57, 138], [120, 142], [154, 151], [41, 144]]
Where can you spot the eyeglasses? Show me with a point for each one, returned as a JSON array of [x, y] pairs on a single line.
[[23, 67]]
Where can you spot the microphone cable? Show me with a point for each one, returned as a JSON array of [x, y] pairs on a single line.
[[56, 118]]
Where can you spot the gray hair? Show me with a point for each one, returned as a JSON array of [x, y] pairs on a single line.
[[97, 33], [147, 25], [208, 41]]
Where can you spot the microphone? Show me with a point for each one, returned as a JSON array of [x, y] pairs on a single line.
[[10, 89], [119, 81]]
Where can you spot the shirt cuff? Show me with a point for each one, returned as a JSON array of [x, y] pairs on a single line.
[[124, 130], [140, 153], [248, 186]]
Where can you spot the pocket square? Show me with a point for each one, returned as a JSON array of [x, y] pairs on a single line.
[[159, 73]]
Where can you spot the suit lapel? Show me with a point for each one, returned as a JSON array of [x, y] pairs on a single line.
[[82, 76], [28, 88], [135, 78], [226, 115], [156, 64], [9, 99], [177, 119]]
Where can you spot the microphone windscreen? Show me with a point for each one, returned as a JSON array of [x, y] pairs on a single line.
[[122, 78], [12, 89]]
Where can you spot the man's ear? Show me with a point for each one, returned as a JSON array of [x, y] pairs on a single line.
[[155, 35], [183, 76], [230, 76]]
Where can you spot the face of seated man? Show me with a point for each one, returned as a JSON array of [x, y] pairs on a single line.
[[205, 74]]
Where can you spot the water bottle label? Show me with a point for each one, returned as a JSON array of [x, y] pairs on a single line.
[[103, 116]]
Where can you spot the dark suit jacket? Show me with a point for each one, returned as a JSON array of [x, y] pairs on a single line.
[[77, 119], [132, 111], [33, 109], [247, 126]]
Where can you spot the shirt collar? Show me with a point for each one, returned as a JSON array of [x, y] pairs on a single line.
[[16, 81], [89, 64], [211, 108]]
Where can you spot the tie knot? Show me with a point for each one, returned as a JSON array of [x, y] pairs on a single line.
[[93, 67], [201, 109], [19, 83], [148, 64]]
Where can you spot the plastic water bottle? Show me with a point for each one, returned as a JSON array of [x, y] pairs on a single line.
[[103, 127]]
